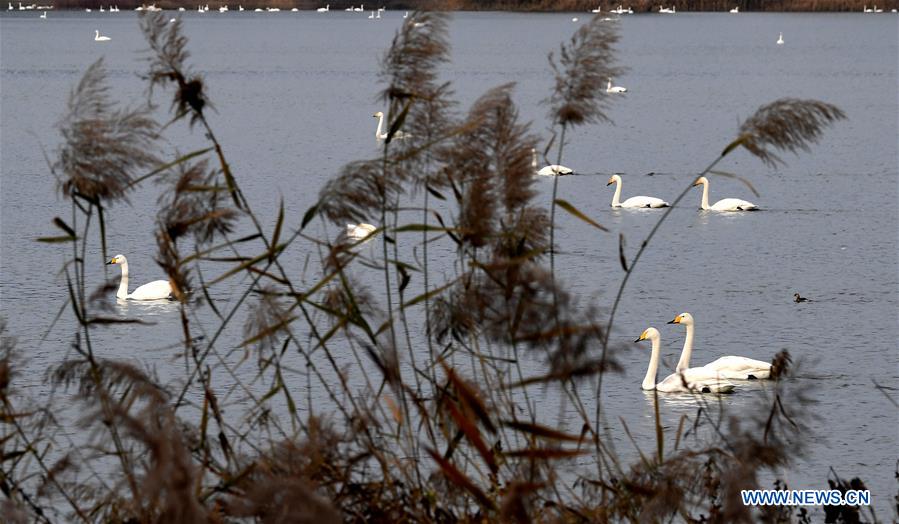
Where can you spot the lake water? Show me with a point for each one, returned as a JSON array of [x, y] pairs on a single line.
[[294, 94]]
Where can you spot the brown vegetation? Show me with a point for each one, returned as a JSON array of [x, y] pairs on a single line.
[[426, 439]]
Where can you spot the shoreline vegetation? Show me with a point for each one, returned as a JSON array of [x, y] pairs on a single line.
[[342, 406], [638, 6]]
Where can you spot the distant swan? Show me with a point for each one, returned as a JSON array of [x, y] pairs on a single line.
[[371, 16], [633, 202], [360, 8], [725, 204], [324, 9], [735, 10], [692, 380], [359, 231], [44, 15], [615, 89], [156, 290], [98, 38], [597, 10], [780, 39], [550, 170], [741, 368], [380, 134]]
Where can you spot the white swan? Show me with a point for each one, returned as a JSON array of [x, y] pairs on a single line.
[[741, 368], [637, 201], [99, 38], [735, 10], [406, 15], [725, 204], [156, 290], [780, 39], [44, 15], [359, 231], [668, 11], [550, 170], [371, 16], [324, 9], [597, 10], [691, 380], [615, 89], [360, 8], [381, 134]]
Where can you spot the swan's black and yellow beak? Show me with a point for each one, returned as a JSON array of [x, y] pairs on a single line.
[[111, 261], [610, 182], [697, 183], [676, 320], [641, 339]]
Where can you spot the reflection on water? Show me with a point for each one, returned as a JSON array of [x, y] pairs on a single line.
[[146, 309]]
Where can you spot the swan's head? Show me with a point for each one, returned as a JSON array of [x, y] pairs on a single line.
[[701, 181], [649, 334], [118, 259], [615, 179], [684, 318], [379, 114]]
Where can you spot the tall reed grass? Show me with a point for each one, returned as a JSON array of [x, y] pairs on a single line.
[[443, 427]]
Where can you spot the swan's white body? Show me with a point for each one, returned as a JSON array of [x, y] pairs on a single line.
[[691, 380], [371, 16], [732, 367], [615, 89], [99, 38], [359, 231], [44, 15], [780, 39], [156, 290], [725, 204], [360, 8], [324, 9], [380, 133], [633, 202], [735, 10], [550, 170], [406, 14], [668, 11], [597, 10]]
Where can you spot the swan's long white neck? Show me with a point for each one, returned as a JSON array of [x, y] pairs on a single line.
[[380, 131], [705, 195], [617, 195], [123, 284], [534, 158], [649, 382], [684, 361]]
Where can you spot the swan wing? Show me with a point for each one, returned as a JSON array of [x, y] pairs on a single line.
[[156, 290], [644, 201], [734, 204], [741, 368], [554, 169], [695, 380]]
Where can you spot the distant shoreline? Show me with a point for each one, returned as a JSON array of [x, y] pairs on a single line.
[[638, 6]]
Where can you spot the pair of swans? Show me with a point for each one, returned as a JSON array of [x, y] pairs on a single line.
[[726, 204], [711, 378], [156, 290], [100, 38], [380, 133], [550, 170]]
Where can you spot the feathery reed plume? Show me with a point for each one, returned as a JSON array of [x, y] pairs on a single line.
[[294, 481], [357, 193], [788, 124], [583, 65], [410, 66], [102, 146], [193, 204], [266, 322], [168, 64]]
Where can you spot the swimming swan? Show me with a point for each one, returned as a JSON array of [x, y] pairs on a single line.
[[98, 38], [380, 134], [615, 89], [359, 231], [725, 204], [741, 368], [550, 170], [156, 290], [695, 380], [780, 39], [632, 202]]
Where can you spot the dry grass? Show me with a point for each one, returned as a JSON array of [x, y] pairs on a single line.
[[444, 435]]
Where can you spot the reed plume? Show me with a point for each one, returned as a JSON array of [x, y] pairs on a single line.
[[788, 124], [104, 147]]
